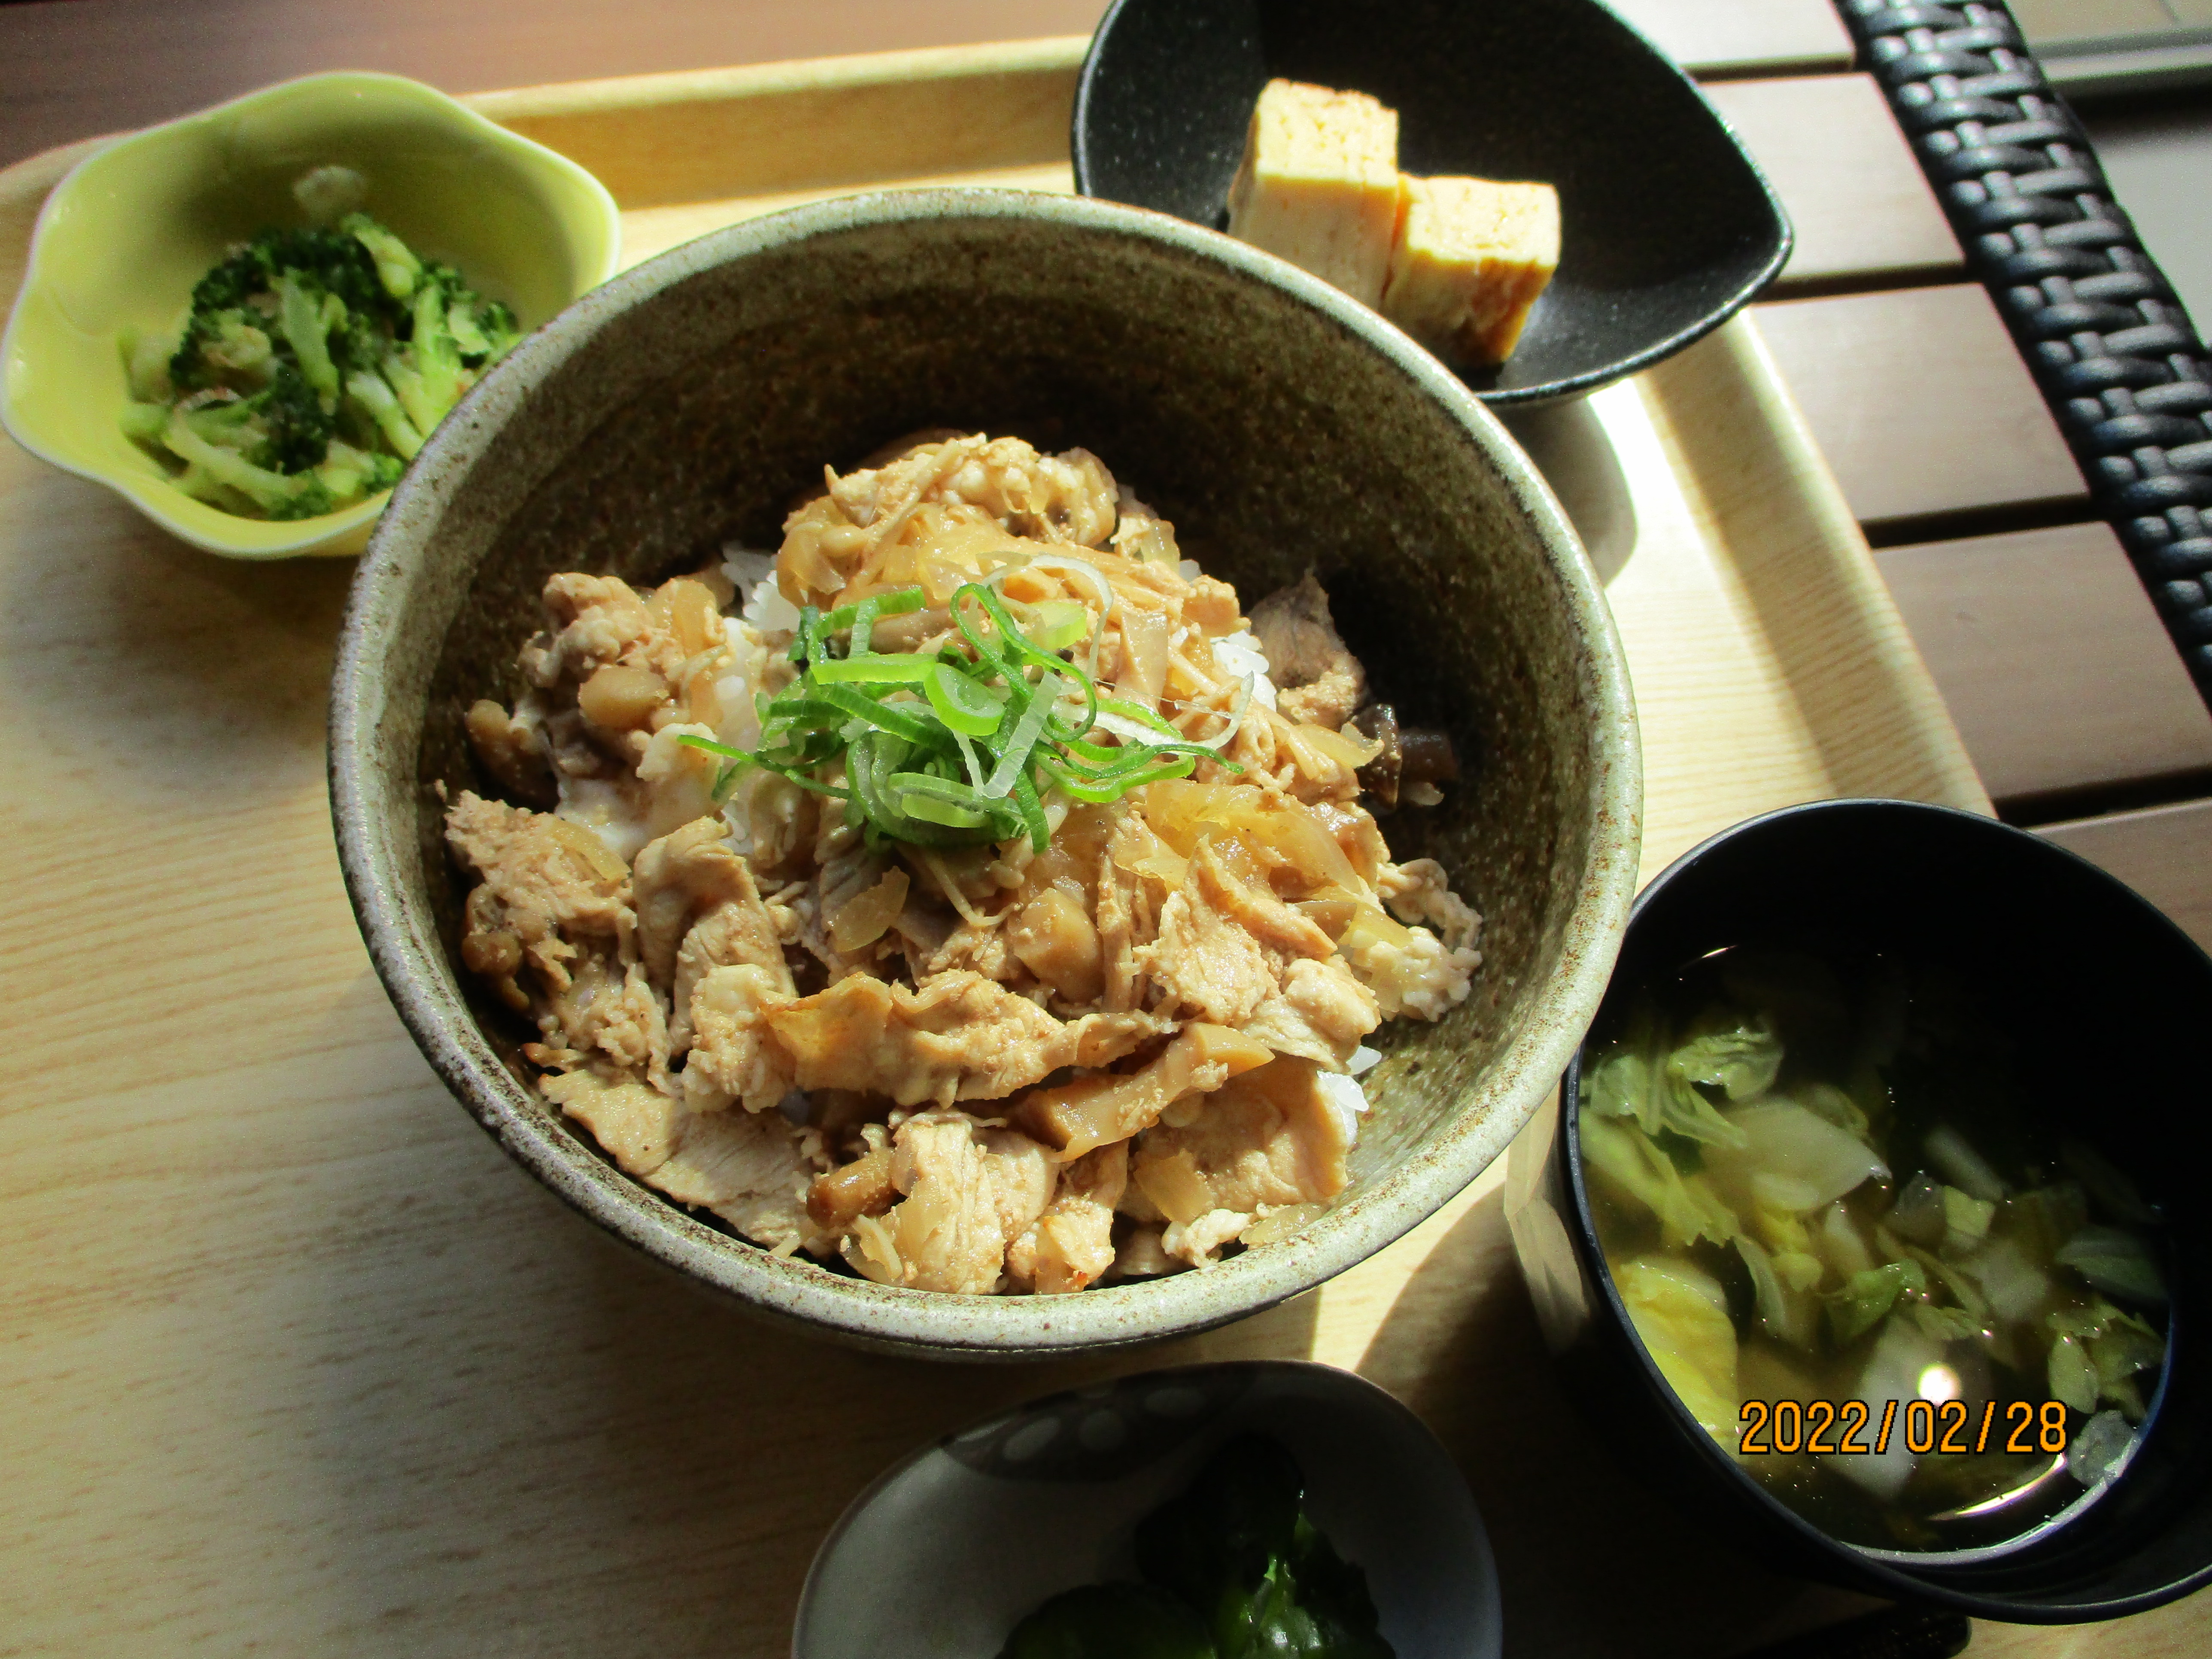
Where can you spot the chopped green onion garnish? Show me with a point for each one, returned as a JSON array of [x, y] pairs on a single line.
[[896, 603], [953, 748], [885, 717], [1015, 757], [872, 669], [961, 701], [1059, 623]]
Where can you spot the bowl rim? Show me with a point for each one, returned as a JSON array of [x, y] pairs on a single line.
[[410, 959], [1894, 1573], [1785, 234], [152, 497]]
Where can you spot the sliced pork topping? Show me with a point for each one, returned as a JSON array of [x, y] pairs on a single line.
[[960, 1036], [1318, 680], [968, 1192], [1072, 1243], [1267, 1138], [735, 1058], [786, 965], [1104, 1108], [1320, 1014], [1418, 892], [698, 910], [752, 1171], [551, 926]]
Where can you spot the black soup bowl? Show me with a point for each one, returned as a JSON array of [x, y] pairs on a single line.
[[1666, 225], [2103, 999]]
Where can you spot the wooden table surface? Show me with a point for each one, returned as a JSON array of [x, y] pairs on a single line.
[[2060, 681]]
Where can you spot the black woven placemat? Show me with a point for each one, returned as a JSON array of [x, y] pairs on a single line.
[[2124, 373]]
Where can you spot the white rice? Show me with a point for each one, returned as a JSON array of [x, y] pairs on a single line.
[[767, 610], [1239, 655], [1347, 1102]]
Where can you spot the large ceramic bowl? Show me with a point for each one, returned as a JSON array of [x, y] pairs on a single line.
[[1277, 424], [122, 239]]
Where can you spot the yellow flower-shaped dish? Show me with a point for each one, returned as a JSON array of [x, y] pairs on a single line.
[[123, 238]]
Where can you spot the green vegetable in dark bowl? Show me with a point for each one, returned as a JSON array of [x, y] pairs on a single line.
[[1234, 1569]]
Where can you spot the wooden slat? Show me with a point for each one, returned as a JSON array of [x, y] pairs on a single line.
[[1922, 405], [712, 135], [2057, 668], [2165, 854], [1862, 208], [1744, 37], [2077, 20]]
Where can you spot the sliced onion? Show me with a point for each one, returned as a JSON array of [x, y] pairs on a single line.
[[1220, 740], [997, 580], [1024, 739]]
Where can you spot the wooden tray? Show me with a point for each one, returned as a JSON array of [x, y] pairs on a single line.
[[297, 1360]]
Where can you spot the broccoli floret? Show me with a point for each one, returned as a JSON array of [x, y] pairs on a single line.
[[357, 343], [468, 337], [496, 321], [284, 428], [306, 312], [369, 389], [297, 284], [212, 468], [310, 503], [225, 348], [295, 427], [435, 353], [335, 259], [146, 357], [397, 371], [396, 267], [145, 423], [484, 329], [227, 286], [227, 421], [350, 474]]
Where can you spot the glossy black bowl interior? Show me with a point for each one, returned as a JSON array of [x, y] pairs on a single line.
[[2105, 995], [1667, 224]]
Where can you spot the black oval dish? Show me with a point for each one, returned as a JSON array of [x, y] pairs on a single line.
[[1667, 226], [2112, 997]]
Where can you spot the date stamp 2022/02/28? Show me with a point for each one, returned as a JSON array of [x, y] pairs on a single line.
[[1840, 1427]]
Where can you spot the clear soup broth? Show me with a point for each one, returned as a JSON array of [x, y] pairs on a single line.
[[1869, 1254]]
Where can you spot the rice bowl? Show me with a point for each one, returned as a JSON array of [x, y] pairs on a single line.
[[602, 445]]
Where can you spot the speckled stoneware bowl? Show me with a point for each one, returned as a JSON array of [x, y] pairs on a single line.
[[1276, 424]]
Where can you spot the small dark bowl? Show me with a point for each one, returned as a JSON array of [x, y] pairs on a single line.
[[2105, 993], [1667, 226]]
